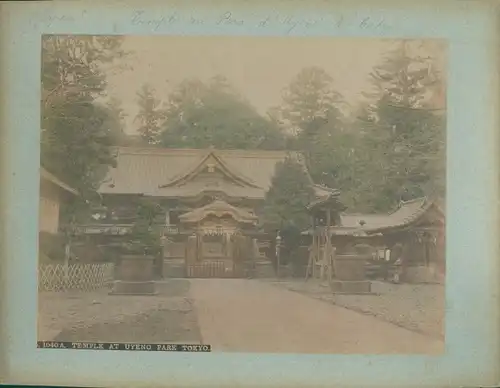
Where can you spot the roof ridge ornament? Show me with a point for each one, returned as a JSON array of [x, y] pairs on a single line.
[[424, 200]]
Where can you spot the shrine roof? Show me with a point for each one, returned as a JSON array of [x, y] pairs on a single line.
[[163, 172], [406, 213], [45, 175]]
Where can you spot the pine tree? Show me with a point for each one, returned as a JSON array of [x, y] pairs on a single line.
[[289, 195], [309, 97], [312, 107], [150, 115], [76, 130], [403, 139]]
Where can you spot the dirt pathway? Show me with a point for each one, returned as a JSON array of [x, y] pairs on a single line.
[[97, 316], [242, 315]]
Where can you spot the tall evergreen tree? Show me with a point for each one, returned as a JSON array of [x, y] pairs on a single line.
[[285, 206], [312, 107], [404, 139], [150, 115], [289, 195], [310, 96], [76, 130]]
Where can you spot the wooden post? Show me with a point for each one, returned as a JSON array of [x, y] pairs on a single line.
[[278, 253], [327, 249], [317, 251], [255, 249], [167, 216], [332, 264], [310, 263], [225, 241], [322, 255], [67, 253], [199, 238], [191, 248]]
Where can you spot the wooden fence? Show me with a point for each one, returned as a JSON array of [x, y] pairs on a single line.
[[211, 269], [83, 277]]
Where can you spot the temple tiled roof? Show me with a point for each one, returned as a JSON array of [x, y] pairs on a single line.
[[156, 171], [365, 225], [406, 213]]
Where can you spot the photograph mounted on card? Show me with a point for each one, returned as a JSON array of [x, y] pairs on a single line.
[[191, 191], [283, 187]]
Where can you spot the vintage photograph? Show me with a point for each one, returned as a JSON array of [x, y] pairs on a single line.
[[254, 194]]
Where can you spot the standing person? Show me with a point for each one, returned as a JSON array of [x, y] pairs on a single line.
[[396, 263]]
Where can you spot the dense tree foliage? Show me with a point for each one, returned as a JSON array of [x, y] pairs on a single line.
[[77, 131], [393, 149], [402, 138], [285, 208], [312, 109], [287, 199], [115, 121], [145, 234], [201, 114], [390, 149], [310, 95]]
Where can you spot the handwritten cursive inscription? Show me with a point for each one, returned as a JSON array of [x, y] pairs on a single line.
[[279, 23], [228, 19], [288, 23], [139, 18]]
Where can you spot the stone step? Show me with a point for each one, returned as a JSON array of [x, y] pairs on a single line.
[[351, 287]]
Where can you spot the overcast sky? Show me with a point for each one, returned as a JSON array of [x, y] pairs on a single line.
[[259, 67]]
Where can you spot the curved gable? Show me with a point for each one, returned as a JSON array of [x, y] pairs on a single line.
[[219, 209], [211, 162]]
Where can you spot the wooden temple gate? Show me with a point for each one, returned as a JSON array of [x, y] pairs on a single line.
[[230, 260]]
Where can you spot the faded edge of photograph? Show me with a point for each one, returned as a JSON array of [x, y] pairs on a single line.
[[195, 193]]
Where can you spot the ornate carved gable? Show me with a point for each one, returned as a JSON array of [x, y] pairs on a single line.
[[211, 171], [219, 209]]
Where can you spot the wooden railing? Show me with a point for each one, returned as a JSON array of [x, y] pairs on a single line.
[[113, 229], [117, 229]]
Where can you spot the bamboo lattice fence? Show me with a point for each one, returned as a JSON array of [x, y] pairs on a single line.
[[83, 277]]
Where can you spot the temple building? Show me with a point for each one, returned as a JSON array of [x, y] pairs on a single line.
[[418, 226], [213, 194], [209, 198]]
